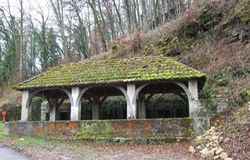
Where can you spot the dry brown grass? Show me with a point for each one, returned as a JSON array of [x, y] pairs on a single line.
[[9, 93]]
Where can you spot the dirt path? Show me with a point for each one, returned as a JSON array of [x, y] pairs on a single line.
[[75, 150]]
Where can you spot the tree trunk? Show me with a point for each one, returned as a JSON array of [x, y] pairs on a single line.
[[20, 77], [110, 15], [119, 17], [145, 15], [97, 22], [58, 10], [128, 14]]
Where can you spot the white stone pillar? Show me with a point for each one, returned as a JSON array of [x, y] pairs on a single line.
[[52, 113], [142, 108], [75, 114], [26, 109], [194, 102], [131, 101], [95, 109], [43, 111]]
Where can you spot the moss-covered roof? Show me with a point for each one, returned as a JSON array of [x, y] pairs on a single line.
[[111, 71]]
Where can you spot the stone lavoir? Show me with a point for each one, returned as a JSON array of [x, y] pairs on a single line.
[[133, 78]]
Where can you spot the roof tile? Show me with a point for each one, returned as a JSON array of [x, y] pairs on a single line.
[[110, 71]]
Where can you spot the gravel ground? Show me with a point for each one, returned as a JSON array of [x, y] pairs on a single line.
[[73, 150]]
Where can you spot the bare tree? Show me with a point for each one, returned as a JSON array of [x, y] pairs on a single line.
[[145, 15], [127, 4], [57, 6], [93, 6], [21, 41], [119, 17]]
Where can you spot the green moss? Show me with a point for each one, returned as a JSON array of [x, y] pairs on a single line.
[[205, 20], [169, 140], [2, 135], [244, 11], [161, 140], [245, 95], [187, 121], [108, 134], [33, 140], [209, 18], [172, 45], [199, 142], [96, 130], [112, 71], [189, 133]]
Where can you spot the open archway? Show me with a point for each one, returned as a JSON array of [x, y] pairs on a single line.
[[102, 102], [163, 100], [49, 105]]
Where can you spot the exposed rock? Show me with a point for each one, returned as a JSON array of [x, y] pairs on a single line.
[[215, 138], [221, 139], [218, 150], [199, 147], [208, 144], [223, 155], [226, 140], [211, 130], [207, 152], [191, 149], [228, 159]]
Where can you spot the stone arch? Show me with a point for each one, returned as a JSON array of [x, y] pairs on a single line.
[[181, 85], [33, 94], [84, 90]]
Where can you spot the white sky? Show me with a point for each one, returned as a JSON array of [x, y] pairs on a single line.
[[30, 6]]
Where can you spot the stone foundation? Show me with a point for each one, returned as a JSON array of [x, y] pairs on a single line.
[[174, 128]]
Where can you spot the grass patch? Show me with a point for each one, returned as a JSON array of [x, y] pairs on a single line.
[[2, 135], [24, 139], [31, 140], [95, 135]]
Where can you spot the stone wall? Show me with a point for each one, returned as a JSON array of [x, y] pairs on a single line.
[[174, 128]]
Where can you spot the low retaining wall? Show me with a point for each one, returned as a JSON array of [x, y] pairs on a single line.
[[174, 128]]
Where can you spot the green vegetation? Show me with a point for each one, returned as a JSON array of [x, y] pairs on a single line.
[[245, 95], [113, 71], [199, 142], [189, 133], [87, 135], [96, 130], [32, 140], [26, 140], [2, 135], [187, 121], [244, 11]]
